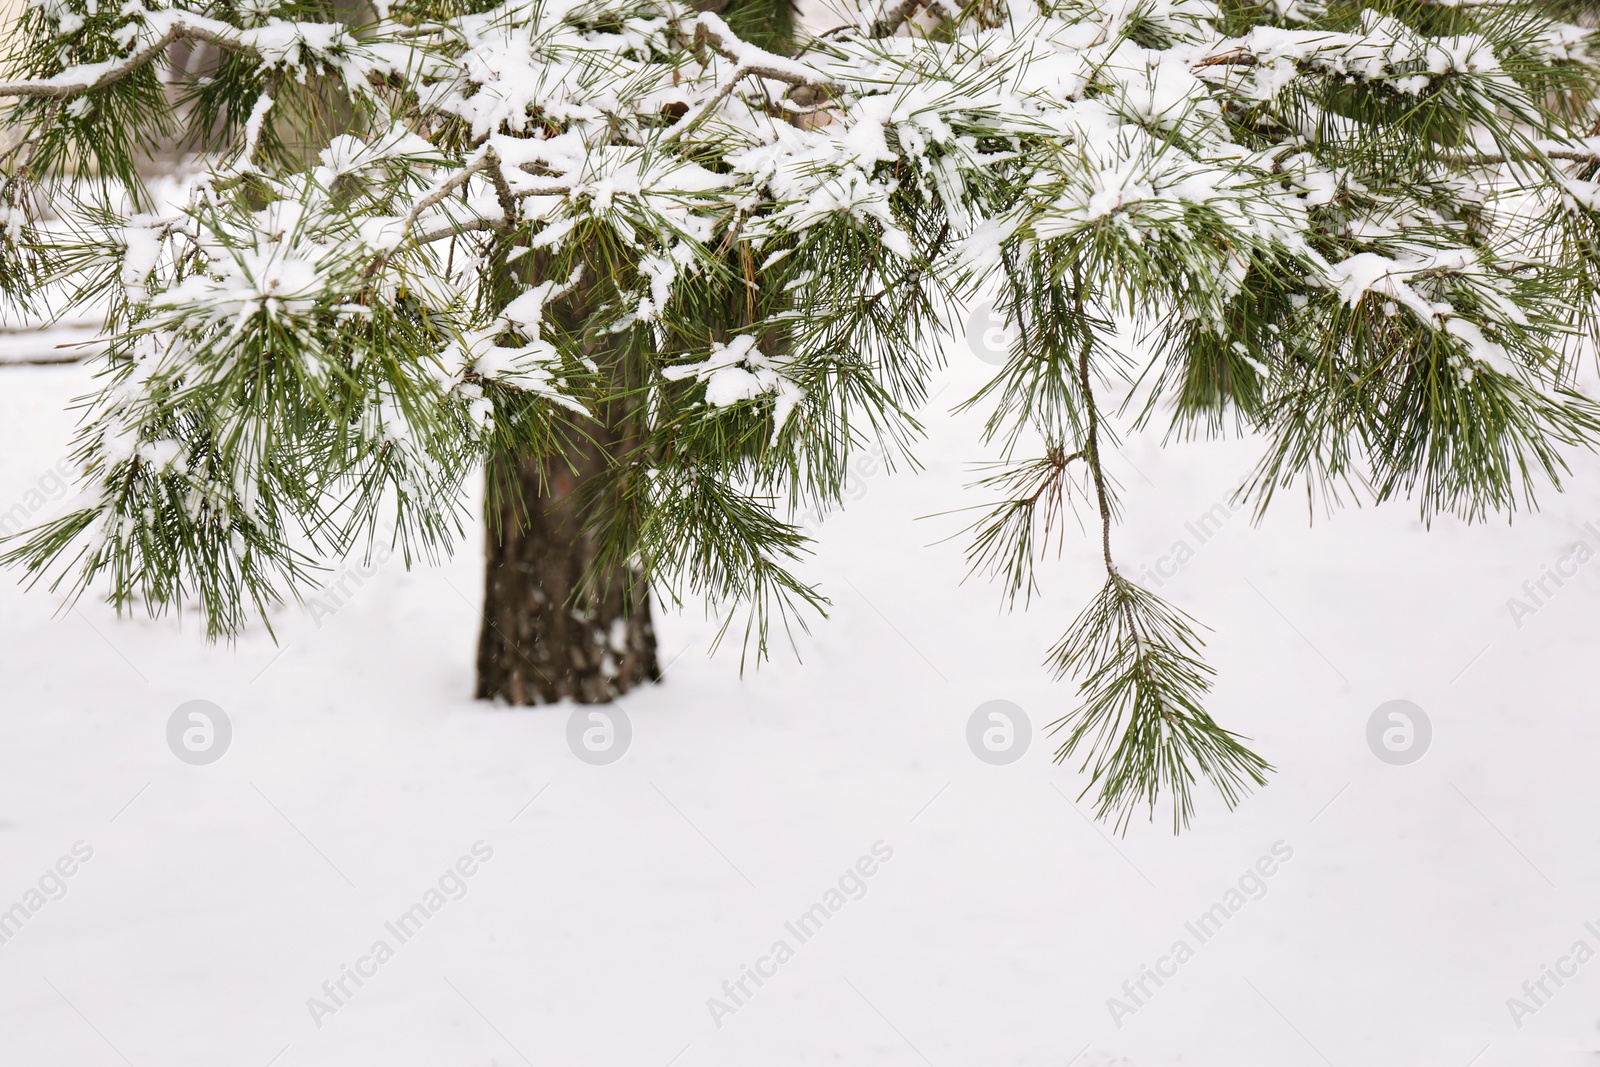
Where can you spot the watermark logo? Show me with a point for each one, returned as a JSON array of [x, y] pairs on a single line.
[[50, 487], [1204, 527], [343, 586], [1399, 732], [990, 335], [450, 886], [863, 465], [998, 732], [1537, 592], [1250, 886], [199, 732], [850, 886], [599, 736], [51, 886], [1539, 991]]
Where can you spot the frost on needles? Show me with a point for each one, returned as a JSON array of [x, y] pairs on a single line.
[[1367, 234]]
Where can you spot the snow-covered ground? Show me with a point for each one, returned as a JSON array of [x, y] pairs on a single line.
[[1405, 904]]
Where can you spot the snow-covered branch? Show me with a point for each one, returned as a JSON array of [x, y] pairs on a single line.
[[709, 29], [1332, 270], [169, 27]]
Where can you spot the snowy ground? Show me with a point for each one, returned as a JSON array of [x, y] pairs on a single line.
[[618, 899]]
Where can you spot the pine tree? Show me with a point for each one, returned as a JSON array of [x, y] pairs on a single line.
[[662, 271]]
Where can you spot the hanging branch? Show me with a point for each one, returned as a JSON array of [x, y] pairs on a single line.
[[1142, 683]]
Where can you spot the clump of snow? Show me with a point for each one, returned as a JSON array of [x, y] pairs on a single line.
[[737, 371]]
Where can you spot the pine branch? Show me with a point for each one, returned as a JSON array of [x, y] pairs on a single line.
[[1142, 727], [1142, 683]]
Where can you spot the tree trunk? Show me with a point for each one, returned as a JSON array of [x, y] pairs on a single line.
[[546, 634], [544, 637]]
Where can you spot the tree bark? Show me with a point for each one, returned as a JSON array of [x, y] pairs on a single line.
[[546, 636]]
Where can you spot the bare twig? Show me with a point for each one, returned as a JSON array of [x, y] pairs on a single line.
[[557, 188], [1492, 159], [888, 23], [1236, 58], [502, 189], [712, 31], [1091, 452], [456, 229], [448, 186]]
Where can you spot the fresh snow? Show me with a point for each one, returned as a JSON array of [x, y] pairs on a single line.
[[618, 899]]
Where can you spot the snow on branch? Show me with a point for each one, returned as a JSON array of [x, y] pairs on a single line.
[[86, 77], [1275, 217], [710, 29], [277, 42]]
